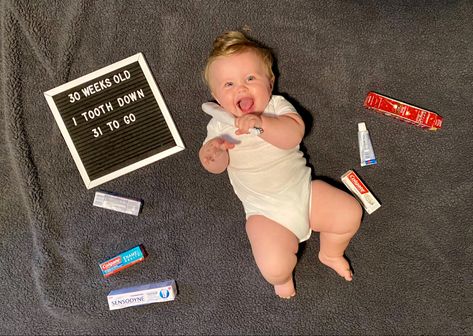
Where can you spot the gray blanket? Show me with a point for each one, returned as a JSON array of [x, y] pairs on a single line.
[[411, 258]]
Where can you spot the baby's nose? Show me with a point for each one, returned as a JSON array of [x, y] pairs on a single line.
[[242, 87]]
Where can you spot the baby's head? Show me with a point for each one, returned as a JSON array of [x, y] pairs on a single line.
[[234, 42], [239, 73]]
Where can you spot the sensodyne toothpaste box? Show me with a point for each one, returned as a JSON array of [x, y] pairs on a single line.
[[142, 295]]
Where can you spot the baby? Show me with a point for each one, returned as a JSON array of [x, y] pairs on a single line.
[[268, 172]]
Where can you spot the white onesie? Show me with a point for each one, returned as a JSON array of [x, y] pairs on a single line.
[[269, 181]]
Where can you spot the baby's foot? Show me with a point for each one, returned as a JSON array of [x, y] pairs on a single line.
[[285, 290], [338, 264]]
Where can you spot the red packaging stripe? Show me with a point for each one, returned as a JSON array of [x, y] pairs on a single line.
[[123, 267], [357, 183], [111, 263]]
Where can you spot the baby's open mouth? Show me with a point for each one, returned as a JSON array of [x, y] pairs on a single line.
[[245, 104]]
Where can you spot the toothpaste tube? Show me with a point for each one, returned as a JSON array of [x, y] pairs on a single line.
[[123, 260], [367, 156], [111, 201], [405, 112], [366, 198], [142, 295], [223, 116]]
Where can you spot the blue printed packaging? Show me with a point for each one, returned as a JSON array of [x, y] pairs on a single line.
[[123, 260]]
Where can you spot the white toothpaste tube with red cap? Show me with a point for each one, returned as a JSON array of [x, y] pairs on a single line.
[[223, 116], [362, 193]]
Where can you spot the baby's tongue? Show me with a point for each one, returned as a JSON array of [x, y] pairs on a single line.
[[246, 104]]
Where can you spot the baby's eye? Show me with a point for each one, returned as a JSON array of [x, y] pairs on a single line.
[[228, 84], [251, 77]]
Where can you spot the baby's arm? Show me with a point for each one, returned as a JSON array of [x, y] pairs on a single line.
[[214, 155], [285, 131]]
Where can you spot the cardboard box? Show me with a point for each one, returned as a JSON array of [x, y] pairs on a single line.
[[361, 192], [123, 260], [405, 112], [112, 201], [141, 295]]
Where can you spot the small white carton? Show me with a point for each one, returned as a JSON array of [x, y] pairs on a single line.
[[362, 193], [142, 295], [115, 202]]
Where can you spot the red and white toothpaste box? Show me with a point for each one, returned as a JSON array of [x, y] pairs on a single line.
[[362, 193], [403, 111]]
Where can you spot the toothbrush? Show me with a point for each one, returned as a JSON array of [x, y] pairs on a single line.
[[223, 116]]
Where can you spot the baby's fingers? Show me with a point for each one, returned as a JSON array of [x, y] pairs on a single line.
[[228, 145], [223, 144]]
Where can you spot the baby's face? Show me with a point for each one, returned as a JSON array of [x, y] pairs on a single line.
[[240, 83]]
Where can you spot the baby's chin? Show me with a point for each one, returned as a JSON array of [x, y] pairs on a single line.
[[237, 112], [240, 113], [253, 110]]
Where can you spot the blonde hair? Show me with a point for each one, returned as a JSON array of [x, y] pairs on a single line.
[[234, 42]]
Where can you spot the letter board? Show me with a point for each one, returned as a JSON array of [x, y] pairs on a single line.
[[114, 120]]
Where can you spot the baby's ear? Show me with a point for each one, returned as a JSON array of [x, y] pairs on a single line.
[[215, 98]]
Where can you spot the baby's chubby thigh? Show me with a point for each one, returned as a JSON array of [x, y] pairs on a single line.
[[274, 248], [333, 210]]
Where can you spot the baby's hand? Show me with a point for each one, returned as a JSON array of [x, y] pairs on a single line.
[[247, 121], [215, 150]]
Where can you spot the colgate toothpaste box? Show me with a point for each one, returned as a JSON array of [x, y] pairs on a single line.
[[405, 112], [123, 260], [361, 192]]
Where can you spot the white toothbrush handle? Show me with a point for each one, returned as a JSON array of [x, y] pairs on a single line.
[[223, 116]]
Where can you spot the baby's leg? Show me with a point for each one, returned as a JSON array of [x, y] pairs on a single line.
[[337, 216], [274, 249]]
